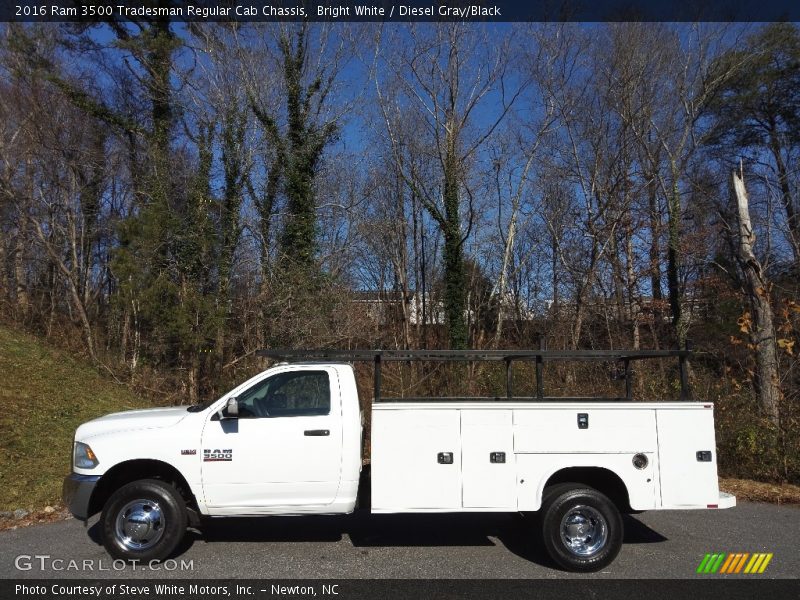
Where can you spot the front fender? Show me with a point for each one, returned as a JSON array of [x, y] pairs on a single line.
[[164, 449]]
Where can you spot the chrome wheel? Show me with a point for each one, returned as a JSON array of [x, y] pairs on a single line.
[[584, 531], [139, 525]]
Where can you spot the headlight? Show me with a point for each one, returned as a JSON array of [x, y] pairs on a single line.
[[83, 457]]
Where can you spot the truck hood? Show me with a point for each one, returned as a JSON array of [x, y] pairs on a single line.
[[148, 418]]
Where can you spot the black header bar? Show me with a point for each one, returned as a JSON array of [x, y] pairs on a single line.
[[387, 11], [396, 589]]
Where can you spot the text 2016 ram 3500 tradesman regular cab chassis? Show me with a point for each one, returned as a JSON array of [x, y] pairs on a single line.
[[289, 442]]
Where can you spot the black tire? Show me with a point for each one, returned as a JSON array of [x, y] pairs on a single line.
[[589, 519], [161, 526]]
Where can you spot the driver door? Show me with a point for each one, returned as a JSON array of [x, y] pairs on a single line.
[[284, 450]]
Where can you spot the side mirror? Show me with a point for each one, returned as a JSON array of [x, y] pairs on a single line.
[[231, 410]]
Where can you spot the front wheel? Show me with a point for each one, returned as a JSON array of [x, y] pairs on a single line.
[[143, 520], [582, 528]]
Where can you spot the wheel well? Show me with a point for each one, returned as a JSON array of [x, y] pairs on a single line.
[[599, 478], [133, 470]]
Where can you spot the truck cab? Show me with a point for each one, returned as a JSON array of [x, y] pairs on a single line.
[[292, 446]]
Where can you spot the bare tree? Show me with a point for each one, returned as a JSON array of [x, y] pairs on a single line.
[[444, 76], [757, 291], [517, 162], [685, 84], [587, 152]]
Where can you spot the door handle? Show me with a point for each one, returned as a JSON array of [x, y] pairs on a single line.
[[316, 432]]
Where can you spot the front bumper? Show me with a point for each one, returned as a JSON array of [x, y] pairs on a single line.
[[76, 493]]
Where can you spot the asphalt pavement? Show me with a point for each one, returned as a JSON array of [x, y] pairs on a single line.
[[658, 544]]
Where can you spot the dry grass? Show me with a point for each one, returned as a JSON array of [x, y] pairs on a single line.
[[45, 393], [38, 517], [757, 491]]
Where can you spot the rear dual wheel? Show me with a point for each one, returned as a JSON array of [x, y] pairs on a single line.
[[582, 529]]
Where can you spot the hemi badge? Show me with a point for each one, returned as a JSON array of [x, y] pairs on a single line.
[[188, 452]]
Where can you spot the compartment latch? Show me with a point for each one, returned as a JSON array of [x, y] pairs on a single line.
[[497, 457]]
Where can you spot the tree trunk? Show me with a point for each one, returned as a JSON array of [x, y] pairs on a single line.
[[634, 305], [792, 218], [756, 288], [4, 289], [501, 281], [455, 284], [193, 377], [400, 260], [679, 323], [20, 283], [655, 243], [508, 251], [235, 171]]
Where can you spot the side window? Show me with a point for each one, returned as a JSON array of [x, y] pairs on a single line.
[[292, 394], [251, 401]]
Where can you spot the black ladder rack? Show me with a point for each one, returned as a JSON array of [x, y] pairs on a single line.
[[539, 357]]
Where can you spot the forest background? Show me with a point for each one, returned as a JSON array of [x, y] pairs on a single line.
[[174, 197]]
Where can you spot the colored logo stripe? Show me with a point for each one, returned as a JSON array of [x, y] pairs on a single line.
[[703, 563], [710, 563], [736, 562], [727, 564]]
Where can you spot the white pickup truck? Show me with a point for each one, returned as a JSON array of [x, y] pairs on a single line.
[[289, 442]]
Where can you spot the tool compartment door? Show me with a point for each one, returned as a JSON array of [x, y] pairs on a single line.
[[488, 461], [557, 430], [408, 473], [687, 480]]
